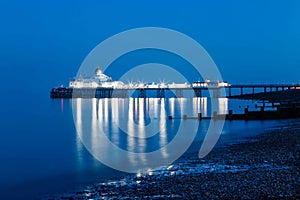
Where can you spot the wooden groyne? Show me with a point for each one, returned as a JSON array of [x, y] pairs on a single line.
[[281, 113], [286, 102]]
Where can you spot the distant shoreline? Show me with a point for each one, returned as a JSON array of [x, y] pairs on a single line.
[[266, 166]]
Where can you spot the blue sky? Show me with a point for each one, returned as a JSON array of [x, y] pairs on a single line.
[[250, 41]]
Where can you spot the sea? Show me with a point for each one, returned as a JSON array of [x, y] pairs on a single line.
[[52, 146]]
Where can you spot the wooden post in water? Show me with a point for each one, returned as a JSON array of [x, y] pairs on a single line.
[[246, 113], [230, 114], [215, 115], [199, 116]]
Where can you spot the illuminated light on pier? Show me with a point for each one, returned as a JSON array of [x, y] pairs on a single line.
[[100, 80], [295, 88]]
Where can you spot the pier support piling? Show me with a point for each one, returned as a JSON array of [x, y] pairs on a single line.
[[216, 93], [229, 91], [142, 93], [179, 93], [198, 92], [161, 93]]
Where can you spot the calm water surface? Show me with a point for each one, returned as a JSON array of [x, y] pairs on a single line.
[[42, 153]]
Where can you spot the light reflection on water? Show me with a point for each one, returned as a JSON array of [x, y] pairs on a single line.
[[119, 113], [140, 126]]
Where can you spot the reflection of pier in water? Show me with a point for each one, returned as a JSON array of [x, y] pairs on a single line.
[[139, 118]]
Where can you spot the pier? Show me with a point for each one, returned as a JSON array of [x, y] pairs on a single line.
[[102, 86], [231, 91]]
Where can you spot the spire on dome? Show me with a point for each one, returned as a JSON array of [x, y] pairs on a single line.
[[98, 71]]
